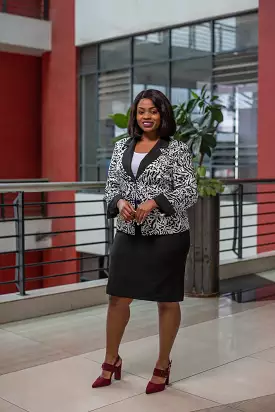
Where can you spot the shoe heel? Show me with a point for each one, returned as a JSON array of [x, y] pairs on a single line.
[[118, 373]]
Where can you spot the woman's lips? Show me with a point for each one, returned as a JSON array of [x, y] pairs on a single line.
[[148, 124]]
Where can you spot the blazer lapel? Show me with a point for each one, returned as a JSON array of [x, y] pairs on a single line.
[[152, 156], [128, 156], [146, 161]]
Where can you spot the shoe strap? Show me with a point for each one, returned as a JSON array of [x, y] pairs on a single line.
[[110, 368], [160, 373]]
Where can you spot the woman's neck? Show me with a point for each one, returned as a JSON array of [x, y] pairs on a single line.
[[151, 137]]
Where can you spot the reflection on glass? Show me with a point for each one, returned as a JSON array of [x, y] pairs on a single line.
[[88, 60], [237, 136], [88, 124], [151, 77], [114, 97], [151, 47], [115, 54], [189, 75], [192, 41], [236, 33]]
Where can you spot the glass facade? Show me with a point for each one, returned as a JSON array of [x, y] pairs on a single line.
[[221, 53]]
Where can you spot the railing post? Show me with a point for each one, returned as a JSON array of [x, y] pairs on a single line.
[[4, 6], [2, 207], [20, 243], [240, 222], [46, 9]]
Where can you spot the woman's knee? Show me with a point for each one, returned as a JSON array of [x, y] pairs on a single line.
[[118, 302], [168, 306]]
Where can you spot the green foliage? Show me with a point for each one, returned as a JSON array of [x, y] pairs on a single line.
[[197, 123]]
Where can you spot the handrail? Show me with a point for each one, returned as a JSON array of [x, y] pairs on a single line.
[[244, 181], [49, 187], [45, 186]]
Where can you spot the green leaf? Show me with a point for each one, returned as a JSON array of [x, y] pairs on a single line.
[[217, 114], [196, 146], [201, 171], [120, 120], [210, 140], [191, 105], [194, 95]]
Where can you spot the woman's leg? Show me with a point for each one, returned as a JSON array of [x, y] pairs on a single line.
[[117, 319], [169, 322]]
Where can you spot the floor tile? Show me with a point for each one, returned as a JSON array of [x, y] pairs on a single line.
[[65, 386], [17, 352], [263, 404], [170, 400], [267, 355], [241, 380], [219, 409], [8, 407], [204, 346]]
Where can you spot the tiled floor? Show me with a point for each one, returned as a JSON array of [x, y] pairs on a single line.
[[223, 361]]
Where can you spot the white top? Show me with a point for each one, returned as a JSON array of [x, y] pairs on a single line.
[[137, 158]]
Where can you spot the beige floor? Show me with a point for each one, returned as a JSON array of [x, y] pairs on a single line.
[[223, 361]]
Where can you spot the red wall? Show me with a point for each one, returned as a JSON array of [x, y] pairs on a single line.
[[20, 116], [20, 138], [59, 133], [266, 138], [29, 8]]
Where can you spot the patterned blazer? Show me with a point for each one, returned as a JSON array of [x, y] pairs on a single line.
[[165, 174]]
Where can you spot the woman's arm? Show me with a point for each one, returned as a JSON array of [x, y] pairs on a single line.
[[185, 192], [112, 189]]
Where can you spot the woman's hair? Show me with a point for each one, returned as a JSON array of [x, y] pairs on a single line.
[[167, 126]]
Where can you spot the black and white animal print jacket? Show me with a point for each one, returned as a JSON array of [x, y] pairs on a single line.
[[165, 174]]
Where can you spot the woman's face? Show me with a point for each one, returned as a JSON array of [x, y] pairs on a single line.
[[148, 117]]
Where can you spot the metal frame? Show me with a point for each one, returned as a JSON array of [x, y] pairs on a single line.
[[169, 61], [239, 193]]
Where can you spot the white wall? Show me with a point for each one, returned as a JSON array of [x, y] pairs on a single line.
[[24, 35], [107, 19], [31, 226]]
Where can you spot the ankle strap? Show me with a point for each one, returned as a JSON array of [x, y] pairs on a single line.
[[161, 373], [110, 368]]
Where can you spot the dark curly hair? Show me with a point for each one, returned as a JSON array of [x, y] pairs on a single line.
[[167, 126]]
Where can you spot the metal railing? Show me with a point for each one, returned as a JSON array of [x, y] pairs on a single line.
[[71, 239], [37, 9], [247, 218], [37, 249]]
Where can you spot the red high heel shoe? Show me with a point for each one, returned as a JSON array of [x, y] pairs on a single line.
[[115, 370], [159, 387]]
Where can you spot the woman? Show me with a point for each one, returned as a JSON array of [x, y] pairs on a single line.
[[151, 183]]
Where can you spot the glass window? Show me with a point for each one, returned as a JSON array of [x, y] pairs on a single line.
[[88, 126], [114, 97], [236, 33], [88, 60], [192, 41], [236, 152], [115, 54], [189, 75], [151, 77], [151, 47]]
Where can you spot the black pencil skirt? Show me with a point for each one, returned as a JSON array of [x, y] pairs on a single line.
[[148, 267]]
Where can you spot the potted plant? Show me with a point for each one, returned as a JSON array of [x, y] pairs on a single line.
[[197, 122]]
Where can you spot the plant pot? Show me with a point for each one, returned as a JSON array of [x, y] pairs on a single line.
[[202, 266]]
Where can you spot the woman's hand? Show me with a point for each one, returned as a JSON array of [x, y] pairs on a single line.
[[144, 209], [126, 210]]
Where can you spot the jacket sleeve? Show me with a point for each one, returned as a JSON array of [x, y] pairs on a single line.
[[112, 189], [184, 193]]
